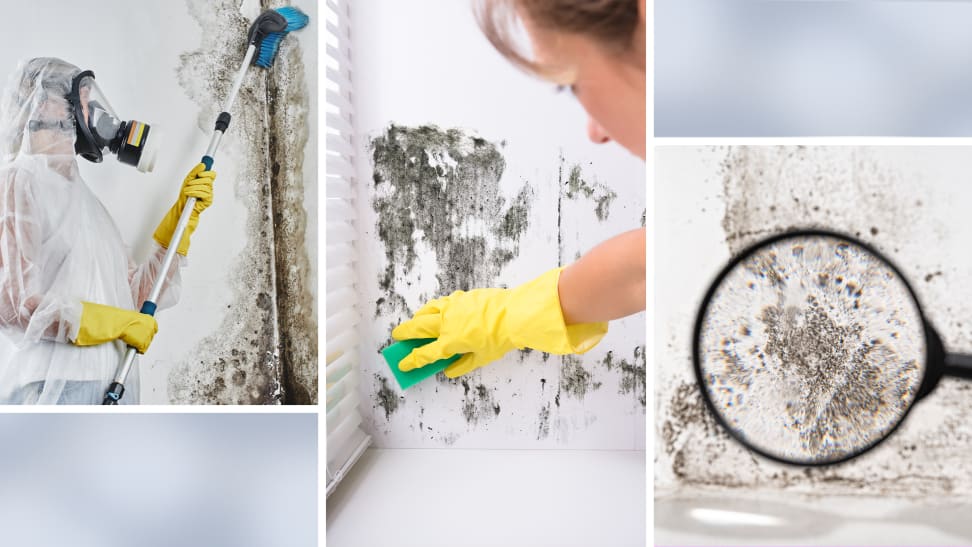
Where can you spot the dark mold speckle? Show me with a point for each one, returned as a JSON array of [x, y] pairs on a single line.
[[855, 191], [575, 186], [477, 403], [543, 429], [274, 359], [438, 186], [632, 373], [575, 379], [385, 396]]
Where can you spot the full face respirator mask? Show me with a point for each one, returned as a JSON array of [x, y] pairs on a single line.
[[99, 128]]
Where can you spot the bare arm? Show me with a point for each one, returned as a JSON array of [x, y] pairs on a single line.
[[607, 283]]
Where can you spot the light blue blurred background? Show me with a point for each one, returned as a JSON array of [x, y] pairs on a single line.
[[813, 68], [154, 480]]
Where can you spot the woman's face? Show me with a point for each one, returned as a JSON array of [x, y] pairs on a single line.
[[609, 85]]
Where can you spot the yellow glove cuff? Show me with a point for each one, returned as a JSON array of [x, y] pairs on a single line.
[[198, 184], [100, 324], [542, 320]]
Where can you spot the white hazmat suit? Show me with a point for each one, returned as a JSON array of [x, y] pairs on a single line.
[[58, 247]]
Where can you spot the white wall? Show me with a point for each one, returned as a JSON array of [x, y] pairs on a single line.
[[159, 64], [910, 202], [427, 62]]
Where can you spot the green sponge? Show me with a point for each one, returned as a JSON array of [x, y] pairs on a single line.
[[399, 350]]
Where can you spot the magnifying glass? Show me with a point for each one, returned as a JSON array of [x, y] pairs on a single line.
[[811, 347]]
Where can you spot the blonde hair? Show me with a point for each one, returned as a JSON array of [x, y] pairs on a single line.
[[611, 23]]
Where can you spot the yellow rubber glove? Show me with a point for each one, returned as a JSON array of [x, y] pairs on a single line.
[[100, 324], [198, 184], [484, 324]]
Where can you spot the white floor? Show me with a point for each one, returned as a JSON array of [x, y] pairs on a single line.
[[512, 498], [777, 519]]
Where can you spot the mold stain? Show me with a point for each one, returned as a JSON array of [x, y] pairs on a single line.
[[287, 112], [632, 381], [249, 326], [477, 403], [440, 188], [771, 189], [543, 428], [575, 379], [386, 397], [574, 185]]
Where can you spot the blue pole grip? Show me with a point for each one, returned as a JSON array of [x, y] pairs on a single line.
[[208, 162], [148, 308]]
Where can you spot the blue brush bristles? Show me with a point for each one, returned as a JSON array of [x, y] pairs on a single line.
[[296, 20]]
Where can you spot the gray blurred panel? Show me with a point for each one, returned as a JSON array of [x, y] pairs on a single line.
[[813, 68], [157, 480]]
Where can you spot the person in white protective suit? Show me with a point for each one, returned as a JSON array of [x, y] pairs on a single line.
[[68, 286]]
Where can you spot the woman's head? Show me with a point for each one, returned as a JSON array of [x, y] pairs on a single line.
[[35, 115], [594, 47]]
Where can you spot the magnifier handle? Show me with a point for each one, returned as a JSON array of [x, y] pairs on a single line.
[[958, 365]]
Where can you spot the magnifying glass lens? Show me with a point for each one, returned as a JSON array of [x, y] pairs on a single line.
[[810, 349]]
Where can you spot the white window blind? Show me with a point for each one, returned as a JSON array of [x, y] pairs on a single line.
[[346, 441]]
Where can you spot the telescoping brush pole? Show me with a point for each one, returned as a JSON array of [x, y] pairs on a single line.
[[264, 37]]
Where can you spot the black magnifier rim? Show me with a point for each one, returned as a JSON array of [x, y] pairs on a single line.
[[746, 253]]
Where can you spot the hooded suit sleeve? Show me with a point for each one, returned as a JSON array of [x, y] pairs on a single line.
[[24, 306], [143, 276]]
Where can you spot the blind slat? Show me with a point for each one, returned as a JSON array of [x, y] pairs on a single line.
[[339, 101], [341, 275], [342, 384], [346, 440], [340, 233], [340, 55], [339, 210], [341, 319], [342, 79], [341, 343], [343, 431], [342, 298], [338, 188], [336, 368], [354, 447], [342, 254], [340, 411], [337, 165], [340, 145]]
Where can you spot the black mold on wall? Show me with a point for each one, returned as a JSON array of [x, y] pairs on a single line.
[[770, 189], [212, 373], [575, 379], [287, 111], [386, 397], [632, 372], [477, 402], [431, 183], [264, 350], [543, 429], [440, 188], [574, 185]]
